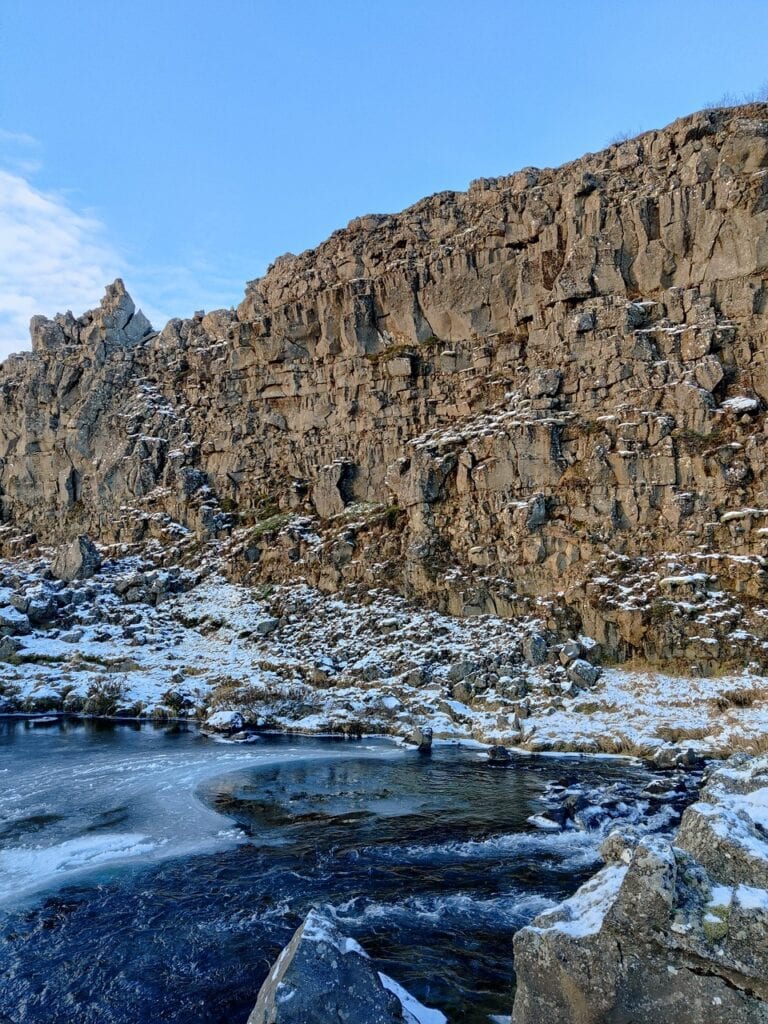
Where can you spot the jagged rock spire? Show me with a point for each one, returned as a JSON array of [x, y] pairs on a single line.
[[115, 322]]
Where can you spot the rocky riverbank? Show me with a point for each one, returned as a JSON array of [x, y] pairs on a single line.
[[670, 931], [137, 639]]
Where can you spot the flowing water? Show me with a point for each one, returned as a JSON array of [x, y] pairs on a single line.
[[151, 874]]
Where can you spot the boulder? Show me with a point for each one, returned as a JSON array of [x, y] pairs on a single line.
[[9, 646], [13, 622], [726, 830], [583, 673], [266, 626], [421, 738], [672, 757], [39, 606], [570, 651], [323, 976], [225, 721], [668, 932], [535, 649], [78, 560]]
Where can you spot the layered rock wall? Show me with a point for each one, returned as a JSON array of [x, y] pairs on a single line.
[[554, 384]]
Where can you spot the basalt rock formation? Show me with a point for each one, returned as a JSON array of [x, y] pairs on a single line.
[[545, 395], [669, 932]]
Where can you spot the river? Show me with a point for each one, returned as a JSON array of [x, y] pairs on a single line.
[[153, 874]]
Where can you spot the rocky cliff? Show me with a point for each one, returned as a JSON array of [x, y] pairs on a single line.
[[545, 395]]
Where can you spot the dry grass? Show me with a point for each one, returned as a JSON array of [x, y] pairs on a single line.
[[103, 699], [676, 734], [233, 693], [740, 698], [623, 744], [758, 745], [604, 743]]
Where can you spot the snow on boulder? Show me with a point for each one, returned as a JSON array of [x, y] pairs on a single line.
[[225, 721], [323, 976], [741, 404], [582, 673], [726, 830], [13, 622], [420, 737]]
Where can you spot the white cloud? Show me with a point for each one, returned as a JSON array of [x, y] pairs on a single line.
[[18, 138], [19, 152], [55, 257], [52, 258]]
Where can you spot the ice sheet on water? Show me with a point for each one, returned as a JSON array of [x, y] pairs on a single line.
[[28, 868]]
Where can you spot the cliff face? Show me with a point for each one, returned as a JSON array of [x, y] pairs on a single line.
[[546, 393]]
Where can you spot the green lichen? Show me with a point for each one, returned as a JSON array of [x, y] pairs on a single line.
[[716, 922]]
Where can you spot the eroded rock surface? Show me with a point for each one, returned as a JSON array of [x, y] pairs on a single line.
[[323, 976], [667, 933], [78, 560], [547, 392]]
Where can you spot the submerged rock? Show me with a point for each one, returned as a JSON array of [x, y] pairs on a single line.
[[323, 976], [499, 754], [672, 757]]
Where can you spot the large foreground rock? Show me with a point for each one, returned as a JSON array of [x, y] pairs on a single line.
[[322, 976], [658, 937], [727, 830]]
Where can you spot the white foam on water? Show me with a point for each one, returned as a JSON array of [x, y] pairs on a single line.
[[569, 849], [512, 908]]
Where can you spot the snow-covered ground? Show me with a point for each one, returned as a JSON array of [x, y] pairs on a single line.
[[138, 641]]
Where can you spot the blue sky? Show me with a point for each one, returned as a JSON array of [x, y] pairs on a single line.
[[184, 144]]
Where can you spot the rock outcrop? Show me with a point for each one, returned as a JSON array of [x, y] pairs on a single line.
[[323, 976], [667, 933], [545, 394], [78, 560]]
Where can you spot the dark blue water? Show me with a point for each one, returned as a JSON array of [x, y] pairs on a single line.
[[153, 875]]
